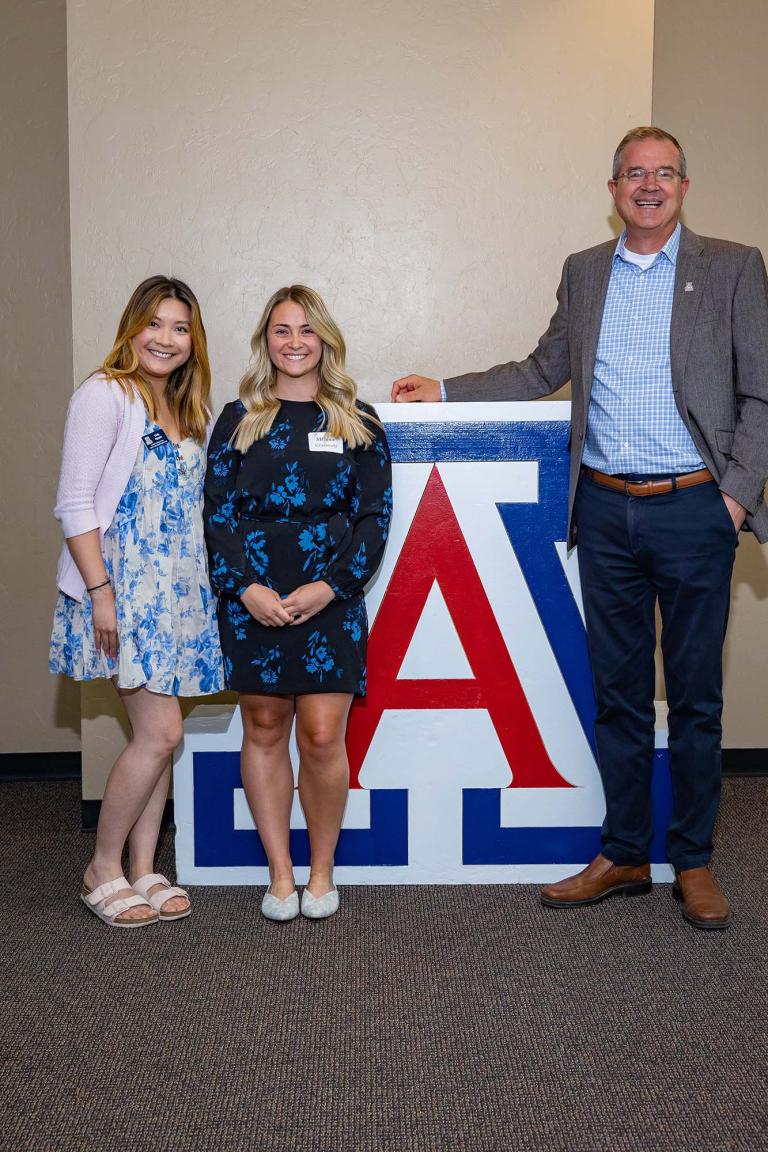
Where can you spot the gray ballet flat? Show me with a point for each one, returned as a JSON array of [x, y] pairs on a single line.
[[274, 909], [319, 907]]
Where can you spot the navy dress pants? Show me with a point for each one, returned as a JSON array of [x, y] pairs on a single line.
[[677, 549]]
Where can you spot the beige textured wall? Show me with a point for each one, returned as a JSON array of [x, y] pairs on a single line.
[[421, 163], [426, 164], [710, 89], [37, 712]]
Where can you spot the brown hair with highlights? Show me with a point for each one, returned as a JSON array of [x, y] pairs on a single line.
[[189, 386]]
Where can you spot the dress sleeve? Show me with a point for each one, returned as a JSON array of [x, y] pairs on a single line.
[[221, 513], [371, 508]]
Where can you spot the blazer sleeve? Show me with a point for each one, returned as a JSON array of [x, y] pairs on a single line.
[[91, 430], [371, 508], [228, 569], [546, 369], [746, 472]]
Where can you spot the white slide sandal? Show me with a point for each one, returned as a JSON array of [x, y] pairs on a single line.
[[103, 902], [159, 899]]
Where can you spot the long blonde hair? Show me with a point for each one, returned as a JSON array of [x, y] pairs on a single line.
[[336, 393], [189, 386]]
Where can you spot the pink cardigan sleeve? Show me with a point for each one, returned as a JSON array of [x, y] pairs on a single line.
[[93, 422]]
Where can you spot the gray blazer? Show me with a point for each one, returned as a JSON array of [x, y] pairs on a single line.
[[719, 352]]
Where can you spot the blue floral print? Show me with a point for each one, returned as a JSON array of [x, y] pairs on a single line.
[[314, 541], [291, 514], [227, 512], [279, 437], [237, 616], [224, 460], [337, 488], [319, 657], [225, 577], [291, 492], [267, 661], [355, 620], [382, 453], [155, 557], [254, 546], [385, 515], [358, 565]]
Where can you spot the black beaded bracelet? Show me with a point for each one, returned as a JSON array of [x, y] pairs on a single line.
[[97, 586]]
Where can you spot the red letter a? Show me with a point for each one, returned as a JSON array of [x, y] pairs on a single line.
[[435, 549]]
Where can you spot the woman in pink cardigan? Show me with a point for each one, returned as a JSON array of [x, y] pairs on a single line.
[[135, 602]]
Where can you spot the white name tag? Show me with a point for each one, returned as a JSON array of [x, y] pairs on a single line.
[[322, 442]]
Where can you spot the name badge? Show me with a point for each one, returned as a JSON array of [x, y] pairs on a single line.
[[155, 439], [322, 442]]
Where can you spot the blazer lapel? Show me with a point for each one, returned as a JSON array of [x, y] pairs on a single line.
[[690, 277], [596, 277]]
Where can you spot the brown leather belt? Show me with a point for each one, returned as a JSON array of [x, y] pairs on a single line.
[[648, 487]]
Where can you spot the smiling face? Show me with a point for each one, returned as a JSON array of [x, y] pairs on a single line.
[[650, 208], [295, 350], [166, 342]]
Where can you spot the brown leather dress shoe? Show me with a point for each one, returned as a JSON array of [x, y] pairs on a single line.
[[598, 880], [703, 903]]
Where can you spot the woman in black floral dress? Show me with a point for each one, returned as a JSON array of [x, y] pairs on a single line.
[[298, 499]]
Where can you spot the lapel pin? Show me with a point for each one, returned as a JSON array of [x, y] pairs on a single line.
[[688, 286]]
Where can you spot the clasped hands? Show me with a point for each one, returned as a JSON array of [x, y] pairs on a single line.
[[269, 608]]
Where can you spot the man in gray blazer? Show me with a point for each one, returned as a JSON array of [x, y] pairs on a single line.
[[664, 336]]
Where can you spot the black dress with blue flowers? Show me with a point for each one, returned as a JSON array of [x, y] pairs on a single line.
[[290, 511]]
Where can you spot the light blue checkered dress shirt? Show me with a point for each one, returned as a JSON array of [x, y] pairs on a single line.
[[633, 424]]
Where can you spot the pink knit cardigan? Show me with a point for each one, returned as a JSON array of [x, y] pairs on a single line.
[[101, 439]]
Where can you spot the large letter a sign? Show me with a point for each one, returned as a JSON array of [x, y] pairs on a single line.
[[435, 551], [471, 757]]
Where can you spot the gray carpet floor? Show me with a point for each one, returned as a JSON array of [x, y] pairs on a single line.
[[437, 1019]]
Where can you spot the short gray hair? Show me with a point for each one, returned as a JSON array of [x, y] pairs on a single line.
[[647, 132]]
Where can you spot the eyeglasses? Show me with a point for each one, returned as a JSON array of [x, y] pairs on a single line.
[[635, 175]]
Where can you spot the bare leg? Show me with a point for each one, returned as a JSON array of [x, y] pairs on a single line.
[[265, 766], [142, 841], [156, 730], [321, 723], [143, 837]]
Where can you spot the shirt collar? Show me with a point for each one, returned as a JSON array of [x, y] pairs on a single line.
[[669, 250]]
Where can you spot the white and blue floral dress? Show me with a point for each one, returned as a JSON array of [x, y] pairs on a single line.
[[287, 513], [155, 555]]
